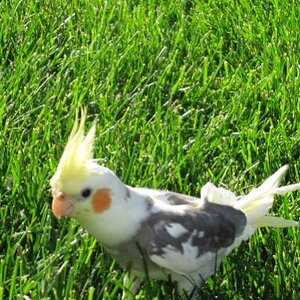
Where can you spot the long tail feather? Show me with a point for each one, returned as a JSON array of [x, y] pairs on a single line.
[[258, 202], [275, 222]]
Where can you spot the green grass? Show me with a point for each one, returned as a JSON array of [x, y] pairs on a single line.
[[185, 92]]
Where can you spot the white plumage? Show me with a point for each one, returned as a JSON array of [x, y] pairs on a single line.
[[158, 232]]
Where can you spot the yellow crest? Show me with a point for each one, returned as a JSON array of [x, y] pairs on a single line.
[[78, 153]]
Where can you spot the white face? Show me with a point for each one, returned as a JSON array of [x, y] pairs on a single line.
[[102, 204], [79, 199]]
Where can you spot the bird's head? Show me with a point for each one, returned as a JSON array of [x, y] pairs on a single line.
[[80, 187]]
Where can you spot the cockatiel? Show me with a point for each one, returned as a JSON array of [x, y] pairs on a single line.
[[158, 234]]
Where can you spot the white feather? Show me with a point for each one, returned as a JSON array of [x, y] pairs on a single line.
[[211, 193], [176, 230], [257, 203]]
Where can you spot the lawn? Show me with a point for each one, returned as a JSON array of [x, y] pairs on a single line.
[[184, 92]]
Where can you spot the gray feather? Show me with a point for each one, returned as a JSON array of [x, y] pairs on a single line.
[[210, 228], [219, 225]]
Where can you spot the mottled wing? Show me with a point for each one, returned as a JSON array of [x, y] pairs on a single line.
[[169, 197], [184, 243]]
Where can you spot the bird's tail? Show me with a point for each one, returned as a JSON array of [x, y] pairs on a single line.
[[257, 203]]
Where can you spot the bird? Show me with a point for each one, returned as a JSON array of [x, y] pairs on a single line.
[[158, 234]]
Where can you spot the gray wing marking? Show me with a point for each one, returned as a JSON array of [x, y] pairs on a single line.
[[210, 228], [179, 199]]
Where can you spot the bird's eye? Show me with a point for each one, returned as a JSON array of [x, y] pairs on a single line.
[[86, 192]]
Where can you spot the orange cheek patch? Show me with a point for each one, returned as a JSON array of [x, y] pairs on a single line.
[[101, 200]]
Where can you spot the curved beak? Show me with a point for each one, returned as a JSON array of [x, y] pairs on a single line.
[[61, 205]]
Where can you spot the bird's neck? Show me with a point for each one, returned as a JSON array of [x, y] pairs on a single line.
[[120, 223]]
